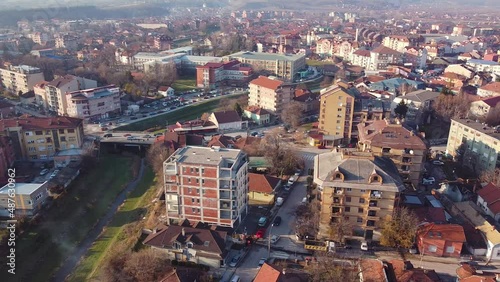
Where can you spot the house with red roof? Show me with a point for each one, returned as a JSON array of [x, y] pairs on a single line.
[[441, 240], [262, 188], [488, 199], [489, 90], [273, 273], [258, 115]]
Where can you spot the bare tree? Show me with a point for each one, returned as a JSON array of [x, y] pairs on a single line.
[[452, 106], [143, 266], [491, 176], [328, 268], [399, 231], [340, 228], [493, 117], [282, 159], [156, 155], [307, 218], [292, 114]]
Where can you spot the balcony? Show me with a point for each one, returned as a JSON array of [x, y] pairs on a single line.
[[337, 202], [338, 191], [225, 205], [375, 194], [224, 195]]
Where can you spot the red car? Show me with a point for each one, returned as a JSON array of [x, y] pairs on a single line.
[[260, 233], [127, 135]]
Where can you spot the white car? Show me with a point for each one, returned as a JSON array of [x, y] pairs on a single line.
[[364, 246], [437, 163], [428, 181], [304, 200], [275, 238]]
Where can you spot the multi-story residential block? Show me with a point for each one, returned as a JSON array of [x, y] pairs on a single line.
[[29, 199], [336, 112], [482, 107], [476, 144], [344, 49], [20, 79], [269, 94], [361, 57], [407, 150], [162, 42], [417, 57], [284, 66], [206, 184], [358, 191], [381, 57], [67, 42], [211, 75], [94, 103], [460, 69], [40, 138], [368, 110], [40, 38], [396, 42], [52, 95], [324, 47], [484, 66], [7, 158]]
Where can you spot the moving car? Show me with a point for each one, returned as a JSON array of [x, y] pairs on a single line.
[[44, 171], [277, 221], [235, 260], [260, 233], [262, 221]]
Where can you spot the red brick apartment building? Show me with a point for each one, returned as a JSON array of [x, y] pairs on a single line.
[[204, 184], [212, 75]]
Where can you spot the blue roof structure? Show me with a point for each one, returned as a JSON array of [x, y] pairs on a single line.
[[393, 84]]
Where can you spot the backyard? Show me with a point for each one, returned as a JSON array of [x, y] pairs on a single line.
[[184, 114], [118, 230], [44, 246]]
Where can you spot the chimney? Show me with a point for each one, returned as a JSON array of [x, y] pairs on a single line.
[[155, 230], [183, 232], [284, 271]]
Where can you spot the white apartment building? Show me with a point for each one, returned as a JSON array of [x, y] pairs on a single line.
[[269, 94], [284, 66], [396, 42], [20, 79], [95, 103], [52, 95], [206, 184]]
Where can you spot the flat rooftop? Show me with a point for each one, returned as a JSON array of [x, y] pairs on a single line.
[[205, 156], [266, 56], [22, 188], [478, 126]]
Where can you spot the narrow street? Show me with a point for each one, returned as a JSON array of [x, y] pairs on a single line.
[[70, 263]]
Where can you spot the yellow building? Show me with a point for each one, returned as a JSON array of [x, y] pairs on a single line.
[[389, 139], [40, 138], [262, 188], [336, 112], [358, 191], [477, 145]]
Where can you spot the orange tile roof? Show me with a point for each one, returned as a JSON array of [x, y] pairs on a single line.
[[34, 123], [262, 183], [372, 270], [267, 82], [491, 195], [494, 86], [267, 273], [448, 232]]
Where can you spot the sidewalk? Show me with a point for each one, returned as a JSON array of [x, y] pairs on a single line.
[[385, 255]]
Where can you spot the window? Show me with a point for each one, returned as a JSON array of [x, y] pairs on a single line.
[[450, 249], [197, 170], [360, 210], [61, 131], [363, 191], [191, 170], [189, 245], [361, 200], [198, 210], [197, 181], [38, 132], [349, 189], [203, 181], [432, 249], [63, 138], [176, 245], [71, 131], [202, 171], [193, 210], [348, 199], [197, 191], [100, 104], [360, 219], [189, 181], [347, 209], [192, 200]]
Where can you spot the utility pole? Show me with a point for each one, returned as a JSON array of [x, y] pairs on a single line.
[[269, 242]]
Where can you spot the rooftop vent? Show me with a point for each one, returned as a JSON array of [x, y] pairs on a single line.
[[206, 244]]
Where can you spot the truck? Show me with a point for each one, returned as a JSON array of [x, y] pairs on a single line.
[[279, 202]]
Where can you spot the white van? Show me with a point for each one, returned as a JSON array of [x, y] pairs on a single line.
[[236, 278]]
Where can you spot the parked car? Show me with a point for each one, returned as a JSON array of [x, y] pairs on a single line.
[[260, 233], [304, 200], [44, 171], [275, 238], [364, 246], [428, 181], [146, 136], [108, 135], [277, 221], [130, 137], [437, 163], [235, 260], [262, 221], [126, 135]]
